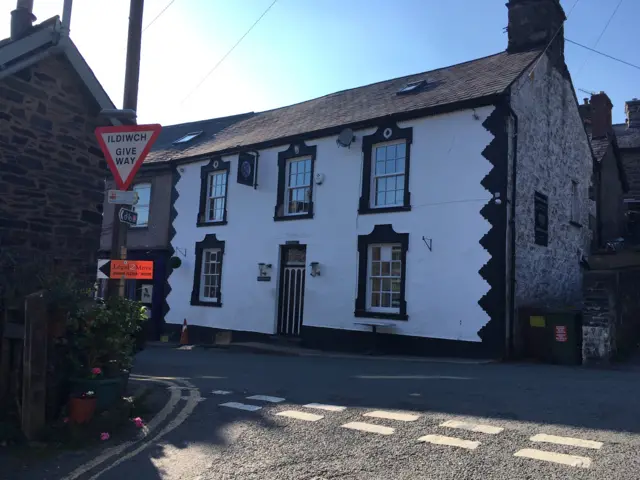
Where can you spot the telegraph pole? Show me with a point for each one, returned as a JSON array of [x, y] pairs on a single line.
[[130, 103]]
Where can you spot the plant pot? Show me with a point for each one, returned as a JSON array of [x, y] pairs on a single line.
[[107, 390], [81, 410]]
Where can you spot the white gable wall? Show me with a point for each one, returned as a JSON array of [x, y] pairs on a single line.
[[443, 286]]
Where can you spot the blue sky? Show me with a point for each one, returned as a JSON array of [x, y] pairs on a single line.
[[307, 48]]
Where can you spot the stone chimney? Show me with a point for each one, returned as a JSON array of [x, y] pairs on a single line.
[[533, 24], [632, 109], [601, 119], [585, 113], [22, 19]]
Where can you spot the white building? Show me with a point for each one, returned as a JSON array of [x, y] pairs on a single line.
[[417, 223]]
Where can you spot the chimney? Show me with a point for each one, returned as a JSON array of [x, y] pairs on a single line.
[[632, 109], [601, 115], [533, 24], [22, 19], [585, 113]]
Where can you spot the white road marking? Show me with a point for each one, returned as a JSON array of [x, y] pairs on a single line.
[[328, 408], [309, 417], [410, 377], [241, 406], [368, 427], [402, 417], [571, 460], [221, 392], [450, 441], [569, 441], [266, 398], [472, 427]]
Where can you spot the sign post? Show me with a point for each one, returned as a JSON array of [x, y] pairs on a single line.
[[125, 148]]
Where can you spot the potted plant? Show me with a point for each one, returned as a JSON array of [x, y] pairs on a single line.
[[82, 406], [100, 348]]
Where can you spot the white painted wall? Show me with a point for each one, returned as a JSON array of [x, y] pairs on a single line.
[[443, 286]]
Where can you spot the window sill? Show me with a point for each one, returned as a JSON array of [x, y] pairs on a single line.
[[369, 210], [211, 224], [387, 316], [285, 218], [201, 303], [140, 227], [575, 224]]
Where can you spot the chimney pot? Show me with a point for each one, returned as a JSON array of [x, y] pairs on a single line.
[[632, 109], [22, 19]]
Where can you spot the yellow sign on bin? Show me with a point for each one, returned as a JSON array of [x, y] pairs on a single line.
[[537, 321]]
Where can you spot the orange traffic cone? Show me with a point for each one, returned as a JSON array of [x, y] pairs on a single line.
[[184, 336]]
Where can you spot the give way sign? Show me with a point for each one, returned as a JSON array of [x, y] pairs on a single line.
[[125, 148]]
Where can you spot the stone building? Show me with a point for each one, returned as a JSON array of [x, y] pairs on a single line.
[[52, 172], [628, 136]]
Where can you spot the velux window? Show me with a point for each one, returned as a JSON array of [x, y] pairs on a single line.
[[298, 189], [186, 138]]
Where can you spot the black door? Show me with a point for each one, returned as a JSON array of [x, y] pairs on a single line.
[[291, 301]]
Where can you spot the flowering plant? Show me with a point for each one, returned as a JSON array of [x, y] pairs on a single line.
[[96, 371]]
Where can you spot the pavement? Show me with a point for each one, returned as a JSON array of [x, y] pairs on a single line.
[[239, 415]]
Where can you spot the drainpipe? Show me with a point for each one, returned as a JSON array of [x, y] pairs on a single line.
[[512, 221], [22, 19]]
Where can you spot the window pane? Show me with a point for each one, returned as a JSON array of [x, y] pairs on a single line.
[[293, 168], [385, 300], [375, 300], [395, 285], [386, 268], [300, 179], [380, 154], [143, 215], [375, 269], [386, 284], [375, 253], [391, 166], [399, 196], [401, 150], [396, 253], [144, 193], [307, 178], [395, 300], [400, 165], [380, 168], [391, 152], [375, 284], [396, 268]]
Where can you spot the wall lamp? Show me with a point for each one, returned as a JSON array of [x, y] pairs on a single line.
[[315, 269]]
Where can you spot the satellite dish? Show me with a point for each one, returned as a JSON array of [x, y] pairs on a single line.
[[346, 138]]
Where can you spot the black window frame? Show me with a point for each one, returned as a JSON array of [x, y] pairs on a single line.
[[541, 210], [295, 150], [209, 241], [215, 165], [386, 133], [381, 234]]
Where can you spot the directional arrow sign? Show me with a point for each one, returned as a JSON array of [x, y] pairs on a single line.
[[125, 148], [104, 267]]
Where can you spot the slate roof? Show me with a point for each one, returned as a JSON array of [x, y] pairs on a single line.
[[164, 150], [465, 81], [627, 137]]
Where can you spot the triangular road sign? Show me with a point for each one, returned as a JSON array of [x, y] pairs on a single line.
[[125, 148]]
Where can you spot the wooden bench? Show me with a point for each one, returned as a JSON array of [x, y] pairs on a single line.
[[374, 330]]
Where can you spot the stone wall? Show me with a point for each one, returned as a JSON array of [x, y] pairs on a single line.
[[611, 315], [631, 162], [612, 208], [553, 150], [53, 173]]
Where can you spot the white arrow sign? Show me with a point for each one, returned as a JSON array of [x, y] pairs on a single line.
[[125, 148]]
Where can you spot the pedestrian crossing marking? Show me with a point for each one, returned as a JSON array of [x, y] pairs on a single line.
[[369, 427], [241, 406], [328, 408], [402, 417], [450, 441], [309, 417], [472, 427], [561, 458], [266, 398], [569, 441]]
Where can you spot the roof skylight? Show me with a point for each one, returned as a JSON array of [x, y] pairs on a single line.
[[187, 138], [412, 87]]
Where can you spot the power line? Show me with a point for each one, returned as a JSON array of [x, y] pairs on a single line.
[[603, 54], [595, 45], [228, 53], [159, 15]]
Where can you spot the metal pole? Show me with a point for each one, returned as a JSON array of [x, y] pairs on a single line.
[[130, 101], [66, 15]]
